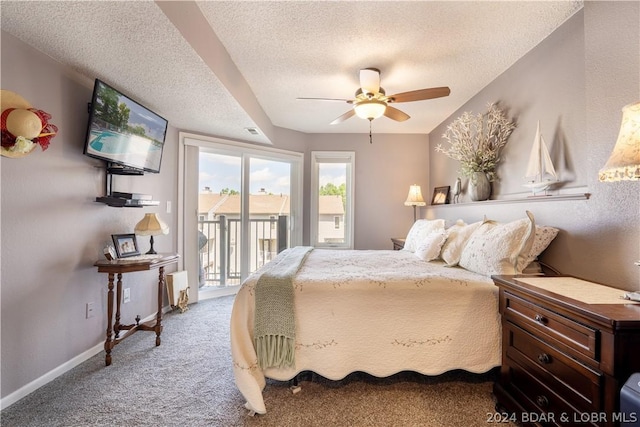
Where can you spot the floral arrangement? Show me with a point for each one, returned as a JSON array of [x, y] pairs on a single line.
[[477, 140]]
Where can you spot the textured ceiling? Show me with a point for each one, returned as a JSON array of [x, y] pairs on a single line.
[[248, 69]]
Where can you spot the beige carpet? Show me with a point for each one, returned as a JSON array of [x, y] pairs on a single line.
[[188, 381]]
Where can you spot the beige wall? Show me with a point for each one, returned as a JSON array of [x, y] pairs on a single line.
[[52, 231], [575, 82]]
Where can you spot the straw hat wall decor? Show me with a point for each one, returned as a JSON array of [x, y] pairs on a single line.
[[23, 127]]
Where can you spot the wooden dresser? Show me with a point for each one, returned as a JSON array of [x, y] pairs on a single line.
[[568, 346]]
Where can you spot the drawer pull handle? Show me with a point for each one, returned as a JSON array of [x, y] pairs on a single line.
[[542, 401], [544, 358], [540, 319]]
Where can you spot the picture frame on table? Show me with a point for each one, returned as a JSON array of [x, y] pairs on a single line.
[[126, 245], [441, 195]]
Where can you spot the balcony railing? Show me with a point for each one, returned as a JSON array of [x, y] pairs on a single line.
[[220, 248]]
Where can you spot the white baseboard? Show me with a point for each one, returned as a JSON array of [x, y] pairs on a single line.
[[49, 376], [205, 294], [56, 372]]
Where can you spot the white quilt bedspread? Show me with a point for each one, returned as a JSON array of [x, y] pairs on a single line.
[[375, 311]]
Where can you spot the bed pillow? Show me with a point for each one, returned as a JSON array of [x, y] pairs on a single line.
[[496, 248], [543, 238], [429, 248], [457, 237], [419, 230]]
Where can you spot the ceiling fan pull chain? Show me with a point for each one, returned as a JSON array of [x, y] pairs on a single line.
[[370, 140]]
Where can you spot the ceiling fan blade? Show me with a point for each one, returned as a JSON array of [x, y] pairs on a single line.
[[420, 94], [370, 80], [349, 101], [395, 114], [344, 117]]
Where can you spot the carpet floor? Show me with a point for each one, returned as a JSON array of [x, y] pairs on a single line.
[[188, 381]]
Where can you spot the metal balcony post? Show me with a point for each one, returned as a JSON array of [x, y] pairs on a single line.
[[223, 250], [282, 233]]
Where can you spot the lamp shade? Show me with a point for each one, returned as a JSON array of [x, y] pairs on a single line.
[[624, 162], [151, 225], [414, 198], [370, 109]]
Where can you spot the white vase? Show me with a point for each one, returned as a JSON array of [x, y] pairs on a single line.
[[479, 187]]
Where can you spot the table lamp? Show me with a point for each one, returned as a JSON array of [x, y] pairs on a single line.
[[414, 198], [151, 225], [624, 162]]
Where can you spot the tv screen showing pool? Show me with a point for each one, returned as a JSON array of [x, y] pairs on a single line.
[[123, 131]]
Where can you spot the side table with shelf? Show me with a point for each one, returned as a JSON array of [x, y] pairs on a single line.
[[127, 265], [568, 346]]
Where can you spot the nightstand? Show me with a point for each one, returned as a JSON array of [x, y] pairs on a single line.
[[568, 346], [398, 243]]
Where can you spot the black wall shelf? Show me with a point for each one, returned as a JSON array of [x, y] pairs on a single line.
[[116, 199]]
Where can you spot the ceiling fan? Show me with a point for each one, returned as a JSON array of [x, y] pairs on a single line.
[[372, 102]]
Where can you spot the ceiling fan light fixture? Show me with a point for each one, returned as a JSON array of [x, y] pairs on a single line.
[[370, 109]]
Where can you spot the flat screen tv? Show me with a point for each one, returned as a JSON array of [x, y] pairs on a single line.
[[123, 132]]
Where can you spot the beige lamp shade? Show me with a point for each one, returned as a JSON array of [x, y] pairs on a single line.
[[414, 198], [624, 162], [151, 225]]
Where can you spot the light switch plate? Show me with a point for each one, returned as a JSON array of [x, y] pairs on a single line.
[[89, 310]]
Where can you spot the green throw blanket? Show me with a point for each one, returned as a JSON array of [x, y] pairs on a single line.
[[274, 327]]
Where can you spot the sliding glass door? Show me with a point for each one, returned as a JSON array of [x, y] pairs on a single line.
[[249, 208]]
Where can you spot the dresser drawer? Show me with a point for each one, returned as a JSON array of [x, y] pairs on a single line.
[[563, 357], [572, 380], [564, 332], [538, 398]]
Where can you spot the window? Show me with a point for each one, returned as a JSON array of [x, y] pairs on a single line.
[[332, 199]]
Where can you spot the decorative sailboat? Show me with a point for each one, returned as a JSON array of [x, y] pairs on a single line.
[[540, 171]]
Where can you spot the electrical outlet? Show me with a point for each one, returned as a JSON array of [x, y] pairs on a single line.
[[90, 311], [126, 295]]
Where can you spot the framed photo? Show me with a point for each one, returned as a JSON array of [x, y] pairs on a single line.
[[126, 245], [440, 195]]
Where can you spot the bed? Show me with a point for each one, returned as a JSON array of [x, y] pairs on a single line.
[[376, 311]]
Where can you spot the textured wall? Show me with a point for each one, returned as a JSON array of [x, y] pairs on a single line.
[[575, 82], [53, 231]]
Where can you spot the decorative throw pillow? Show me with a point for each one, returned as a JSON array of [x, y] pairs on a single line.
[[457, 236], [429, 248], [419, 230], [499, 248], [543, 238]]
